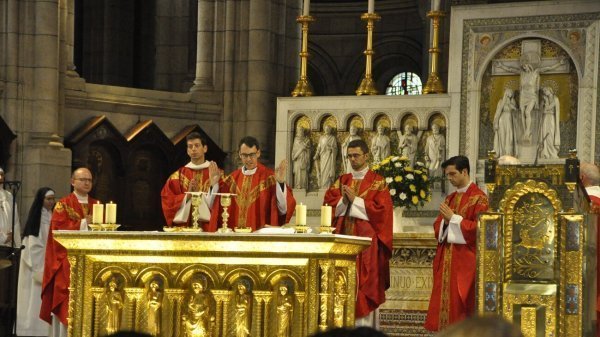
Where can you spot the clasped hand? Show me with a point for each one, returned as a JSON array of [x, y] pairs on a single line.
[[348, 194], [446, 211]]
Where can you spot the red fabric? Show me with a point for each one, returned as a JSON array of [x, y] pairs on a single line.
[[173, 193], [595, 208], [67, 215], [459, 299], [373, 263], [255, 203]]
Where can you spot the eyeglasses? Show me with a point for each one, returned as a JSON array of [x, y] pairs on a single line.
[[248, 155], [354, 155], [84, 180]]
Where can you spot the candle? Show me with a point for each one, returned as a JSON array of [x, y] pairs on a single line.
[[326, 216], [435, 5], [306, 8], [97, 213], [371, 6], [111, 213], [301, 215]]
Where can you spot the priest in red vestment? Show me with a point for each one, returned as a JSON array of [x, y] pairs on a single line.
[[363, 207], [70, 213], [198, 175], [261, 196], [590, 179], [454, 264]]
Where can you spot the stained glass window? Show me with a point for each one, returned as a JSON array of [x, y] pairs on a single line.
[[405, 84]]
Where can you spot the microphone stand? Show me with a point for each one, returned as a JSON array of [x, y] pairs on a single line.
[[15, 255]]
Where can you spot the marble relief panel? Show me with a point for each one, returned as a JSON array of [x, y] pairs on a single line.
[[319, 141]]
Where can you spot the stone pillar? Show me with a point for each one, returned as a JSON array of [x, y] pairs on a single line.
[[70, 38], [259, 120], [204, 46]]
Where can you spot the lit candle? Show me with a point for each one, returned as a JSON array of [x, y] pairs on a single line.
[[371, 6], [111, 213], [97, 213], [301, 215], [326, 216], [435, 5], [306, 8]]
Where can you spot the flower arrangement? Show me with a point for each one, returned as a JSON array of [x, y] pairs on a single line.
[[409, 187]]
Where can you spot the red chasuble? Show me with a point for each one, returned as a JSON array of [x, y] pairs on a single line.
[[594, 194], [454, 265], [255, 203], [67, 215], [373, 263], [173, 193]]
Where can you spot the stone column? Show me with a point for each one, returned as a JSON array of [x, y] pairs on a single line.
[[70, 38], [204, 46], [259, 120]]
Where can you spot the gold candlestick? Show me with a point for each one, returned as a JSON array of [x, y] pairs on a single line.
[[367, 85], [303, 87], [225, 202], [196, 202], [434, 84]]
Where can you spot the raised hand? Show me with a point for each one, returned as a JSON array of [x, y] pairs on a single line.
[[214, 173], [280, 171]]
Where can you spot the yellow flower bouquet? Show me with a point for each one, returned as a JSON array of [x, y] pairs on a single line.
[[409, 186]]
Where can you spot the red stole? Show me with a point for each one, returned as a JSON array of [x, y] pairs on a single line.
[[372, 263], [255, 203], [67, 215]]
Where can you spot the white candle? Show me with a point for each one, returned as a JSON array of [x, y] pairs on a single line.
[[111, 213], [371, 6], [301, 215], [97, 213], [306, 8], [435, 5], [326, 216]]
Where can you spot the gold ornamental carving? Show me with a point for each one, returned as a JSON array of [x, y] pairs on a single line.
[[209, 284], [533, 257]]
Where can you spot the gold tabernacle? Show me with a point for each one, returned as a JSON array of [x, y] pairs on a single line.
[[210, 284]]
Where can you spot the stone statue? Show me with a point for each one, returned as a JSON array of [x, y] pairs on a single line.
[[197, 315], [285, 308], [407, 144], [154, 298], [435, 150], [352, 136], [530, 86], [380, 145], [550, 127], [504, 131], [326, 154], [243, 312], [301, 158], [114, 306]]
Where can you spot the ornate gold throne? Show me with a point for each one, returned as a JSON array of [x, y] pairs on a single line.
[[536, 249]]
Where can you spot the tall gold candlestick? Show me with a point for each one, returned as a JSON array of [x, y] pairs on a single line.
[[303, 87], [367, 85], [434, 84]]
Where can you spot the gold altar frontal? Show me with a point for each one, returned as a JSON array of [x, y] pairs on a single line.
[[209, 284]]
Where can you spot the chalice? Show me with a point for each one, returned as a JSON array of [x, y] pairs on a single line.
[[225, 202]]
